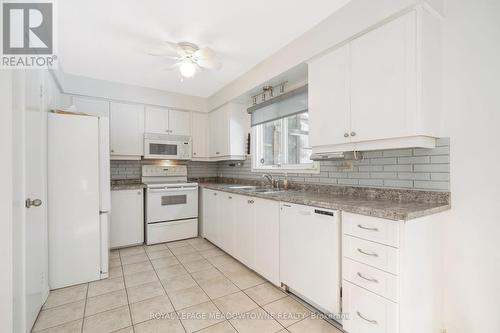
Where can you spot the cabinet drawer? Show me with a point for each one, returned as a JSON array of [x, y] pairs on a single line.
[[371, 228], [370, 253], [373, 279], [367, 312]]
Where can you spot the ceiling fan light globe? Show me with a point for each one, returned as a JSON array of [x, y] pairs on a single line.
[[187, 69]]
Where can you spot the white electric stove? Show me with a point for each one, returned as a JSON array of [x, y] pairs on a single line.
[[171, 204]]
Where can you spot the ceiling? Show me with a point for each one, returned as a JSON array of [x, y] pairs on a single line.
[[111, 39]]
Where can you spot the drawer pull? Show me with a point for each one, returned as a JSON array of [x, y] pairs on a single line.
[[367, 228], [371, 254], [367, 278], [374, 322]]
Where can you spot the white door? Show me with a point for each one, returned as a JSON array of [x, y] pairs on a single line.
[[199, 132], [127, 129], [30, 178], [383, 81], [179, 122], [36, 214], [329, 95], [156, 120]]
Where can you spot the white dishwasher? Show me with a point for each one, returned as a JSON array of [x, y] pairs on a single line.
[[310, 255]]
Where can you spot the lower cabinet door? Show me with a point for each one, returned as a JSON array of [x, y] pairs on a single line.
[[243, 229], [367, 312], [127, 218], [210, 216], [267, 239]]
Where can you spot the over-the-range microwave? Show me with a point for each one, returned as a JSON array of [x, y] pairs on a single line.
[[167, 147]]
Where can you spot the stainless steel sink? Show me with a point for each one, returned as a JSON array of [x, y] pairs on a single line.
[[266, 190], [243, 187]]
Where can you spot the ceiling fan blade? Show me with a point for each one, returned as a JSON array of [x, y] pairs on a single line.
[[205, 53], [209, 63]]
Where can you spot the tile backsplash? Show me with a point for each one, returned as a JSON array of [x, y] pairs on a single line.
[[422, 169]]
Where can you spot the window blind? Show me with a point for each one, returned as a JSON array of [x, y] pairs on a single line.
[[285, 105]]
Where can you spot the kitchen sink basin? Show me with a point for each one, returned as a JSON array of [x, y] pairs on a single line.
[[243, 187], [266, 190]]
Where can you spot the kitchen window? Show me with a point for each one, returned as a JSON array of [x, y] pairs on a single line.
[[281, 137]]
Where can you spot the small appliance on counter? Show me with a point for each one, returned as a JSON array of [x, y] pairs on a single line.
[[171, 204]]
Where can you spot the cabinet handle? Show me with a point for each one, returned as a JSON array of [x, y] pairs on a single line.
[[139, 193], [250, 201], [346, 135], [371, 254], [353, 133], [229, 197], [285, 205], [194, 154], [217, 152], [215, 193], [367, 228], [374, 322], [367, 278], [112, 150]]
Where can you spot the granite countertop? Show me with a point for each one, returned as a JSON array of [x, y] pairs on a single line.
[[126, 184], [381, 206]]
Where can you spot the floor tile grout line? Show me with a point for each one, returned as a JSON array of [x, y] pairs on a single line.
[[85, 306], [126, 293]]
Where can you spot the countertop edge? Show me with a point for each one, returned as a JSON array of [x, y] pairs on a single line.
[[367, 211]]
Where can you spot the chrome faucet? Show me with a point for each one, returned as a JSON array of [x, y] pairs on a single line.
[[271, 180]]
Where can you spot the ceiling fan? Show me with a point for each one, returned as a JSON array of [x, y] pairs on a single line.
[[190, 58]]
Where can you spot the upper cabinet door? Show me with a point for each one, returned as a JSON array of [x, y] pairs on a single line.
[[90, 106], [127, 129], [179, 122], [199, 128], [329, 98], [156, 120], [383, 81], [219, 132]]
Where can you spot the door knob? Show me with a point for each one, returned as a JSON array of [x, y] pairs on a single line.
[[34, 202], [353, 133], [346, 135]]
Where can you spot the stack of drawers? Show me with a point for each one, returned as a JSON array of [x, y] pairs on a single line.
[[370, 272]]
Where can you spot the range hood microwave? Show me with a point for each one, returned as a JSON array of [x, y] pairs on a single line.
[[167, 147]]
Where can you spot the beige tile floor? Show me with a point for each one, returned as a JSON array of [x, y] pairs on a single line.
[[184, 286]]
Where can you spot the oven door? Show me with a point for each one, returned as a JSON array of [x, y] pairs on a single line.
[[171, 203], [158, 149]]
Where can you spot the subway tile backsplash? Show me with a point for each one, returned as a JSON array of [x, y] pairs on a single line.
[[422, 169]]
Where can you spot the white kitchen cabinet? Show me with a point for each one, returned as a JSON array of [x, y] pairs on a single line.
[[310, 254], [199, 127], [127, 130], [329, 98], [95, 107], [179, 122], [165, 121], [245, 227], [381, 90], [266, 220], [228, 130], [210, 218], [156, 120], [127, 218], [392, 274]]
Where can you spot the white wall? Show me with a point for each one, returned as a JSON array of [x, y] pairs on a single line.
[[472, 120], [6, 201], [79, 85]]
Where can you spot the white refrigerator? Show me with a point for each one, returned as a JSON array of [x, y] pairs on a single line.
[[78, 198]]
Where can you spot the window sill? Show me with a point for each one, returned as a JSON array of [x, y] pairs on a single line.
[[314, 169]]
